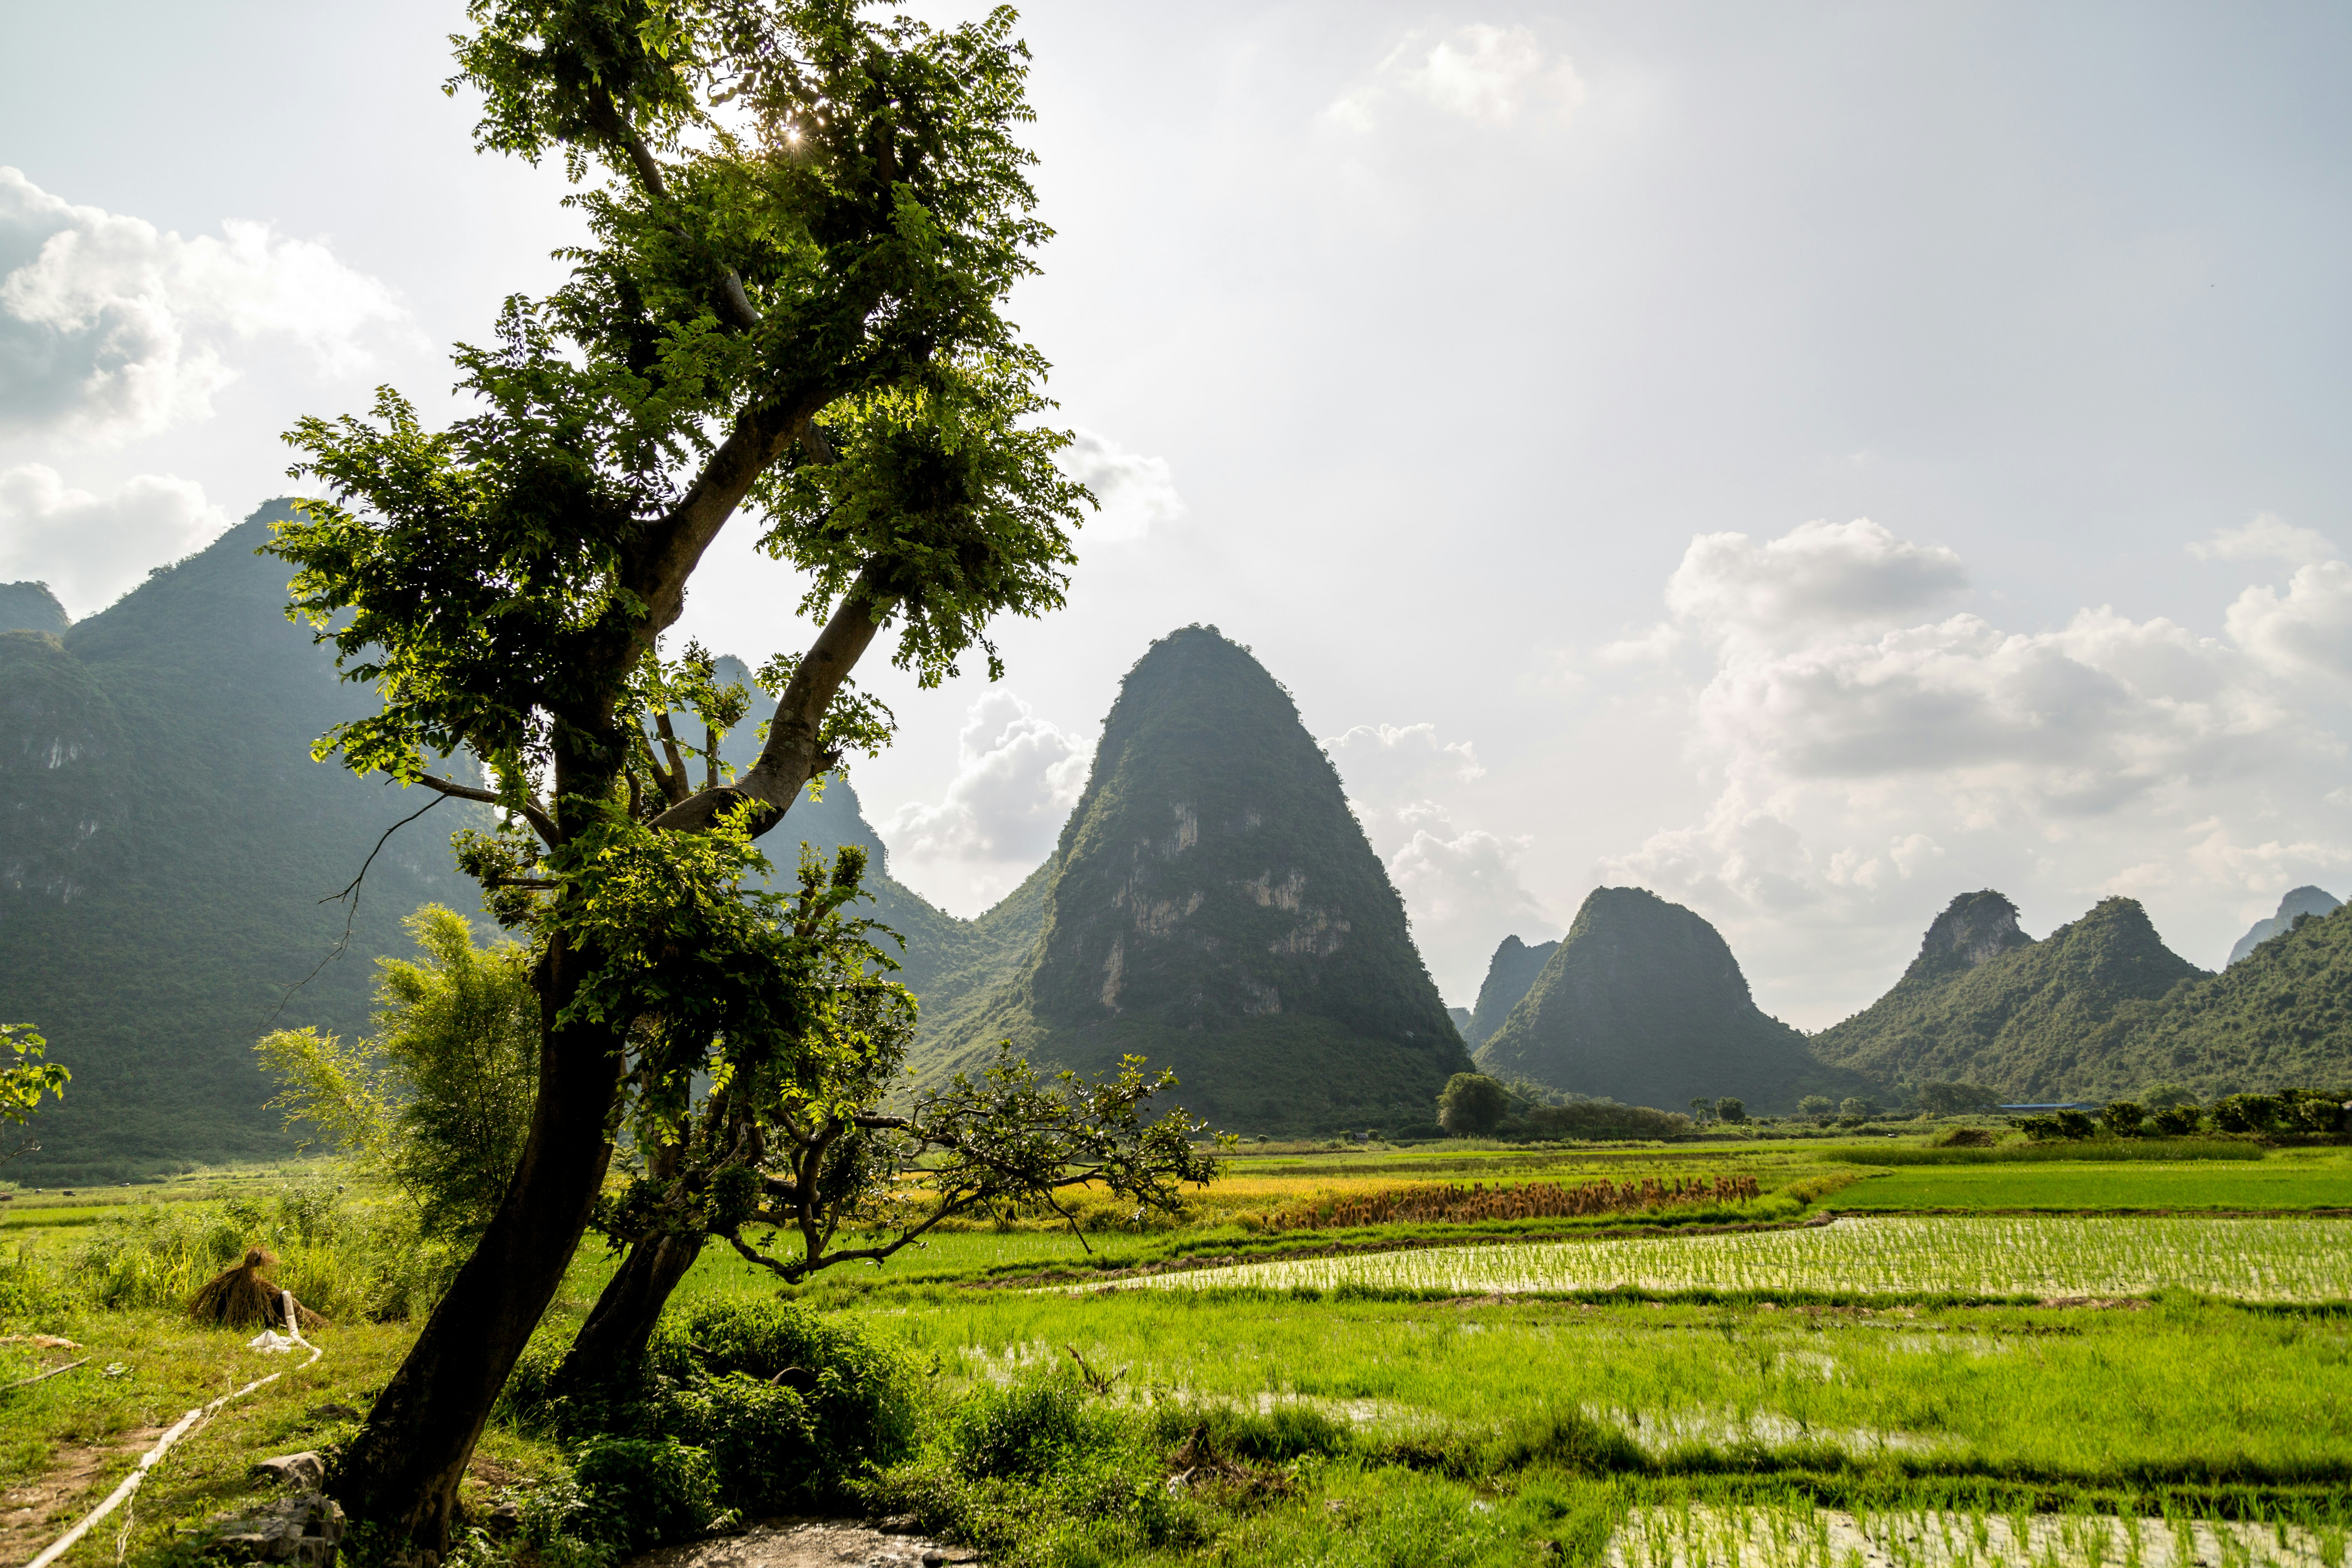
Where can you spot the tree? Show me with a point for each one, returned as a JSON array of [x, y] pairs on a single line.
[[1854, 1108], [2164, 1096], [793, 306], [1958, 1099], [1728, 1108], [1472, 1104], [1820, 1106], [23, 1079], [2178, 1120], [2124, 1116], [1702, 1109], [797, 1144]]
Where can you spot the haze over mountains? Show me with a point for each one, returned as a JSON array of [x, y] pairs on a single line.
[[1211, 904]]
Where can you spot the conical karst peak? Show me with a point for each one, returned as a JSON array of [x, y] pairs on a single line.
[[1973, 927], [1214, 906]]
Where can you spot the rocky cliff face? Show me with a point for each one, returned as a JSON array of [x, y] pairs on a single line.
[[1214, 906], [1973, 929]]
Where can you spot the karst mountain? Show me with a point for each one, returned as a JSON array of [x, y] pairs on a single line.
[[2038, 1021], [166, 842], [2304, 900], [1213, 906], [1510, 975], [1642, 1002]]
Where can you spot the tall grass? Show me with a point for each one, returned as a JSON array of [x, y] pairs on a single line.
[[341, 1259]]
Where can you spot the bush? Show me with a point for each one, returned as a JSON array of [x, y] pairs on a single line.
[[640, 1492], [2176, 1120], [2247, 1112], [2124, 1118], [1604, 1119], [790, 1410], [1472, 1104], [1027, 1430]]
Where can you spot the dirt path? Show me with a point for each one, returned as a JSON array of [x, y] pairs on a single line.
[[808, 1543], [36, 1513]]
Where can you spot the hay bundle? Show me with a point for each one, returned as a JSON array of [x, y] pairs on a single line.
[[240, 1297]]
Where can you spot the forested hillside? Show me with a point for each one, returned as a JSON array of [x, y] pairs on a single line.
[[1510, 975], [166, 842], [1642, 1002], [169, 854], [2280, 1018], [1213, 906], [2304, 900], [2036, 1020]]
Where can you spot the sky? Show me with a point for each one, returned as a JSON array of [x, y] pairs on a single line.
[[1811, 460]]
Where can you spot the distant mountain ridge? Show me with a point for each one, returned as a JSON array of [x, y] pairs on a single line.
[[1213, 906], [2302, 900], [165, 840], [1510, 975], [165, 845], [1985, 1004], [1642, 1002]]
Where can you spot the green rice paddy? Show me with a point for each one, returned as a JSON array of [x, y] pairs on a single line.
[[2285, 1259]]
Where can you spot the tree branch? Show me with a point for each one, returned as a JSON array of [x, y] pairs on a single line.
[[792, 756], [540, 821]]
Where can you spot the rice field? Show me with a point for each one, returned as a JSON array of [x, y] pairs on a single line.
[[1796, 1536], [2281, 1259]]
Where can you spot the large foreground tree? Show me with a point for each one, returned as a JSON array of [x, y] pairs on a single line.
[[803, 225]]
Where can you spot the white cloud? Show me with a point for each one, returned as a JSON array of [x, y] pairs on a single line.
[[2268, 537], [110, 327], [1482, 73], [1390, 766], [1138, 493], [1465, 893], [1872, 761], [89, 549], [1848, 575], [1017, 778], [2307, 628]]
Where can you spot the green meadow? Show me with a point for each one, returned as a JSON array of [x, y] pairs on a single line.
[[2103, 1361]]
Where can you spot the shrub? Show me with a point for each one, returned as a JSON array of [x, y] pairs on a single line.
[[790, 1409], [1025, 1431], [1604, 1119], [2247, 1112], [643, 1491], [1471, 1104], [2123, 1118], [2176, 1120]]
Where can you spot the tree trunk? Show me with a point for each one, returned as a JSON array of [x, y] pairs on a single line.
[[401, 1473], [614, 1337]]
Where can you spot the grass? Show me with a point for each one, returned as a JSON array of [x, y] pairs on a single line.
[[2283, 1259], [1771, 1397], [2104, 1150], [2275, 1184], [2182, 1393]]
